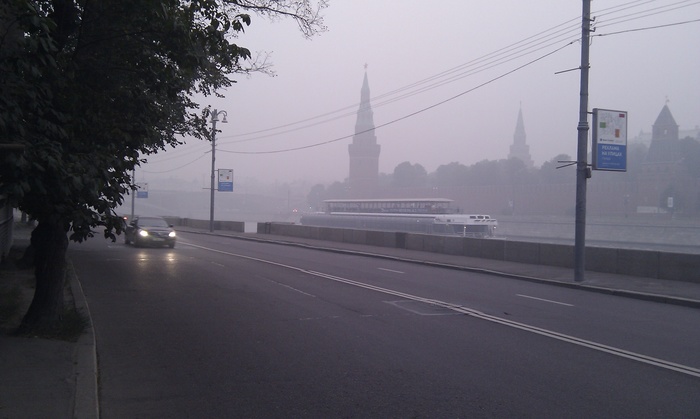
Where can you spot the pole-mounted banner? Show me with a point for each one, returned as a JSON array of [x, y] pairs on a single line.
[[142, 190], [609, 140], [225, 180]]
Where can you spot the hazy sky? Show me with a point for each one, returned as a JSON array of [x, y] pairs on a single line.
[[447, 79]]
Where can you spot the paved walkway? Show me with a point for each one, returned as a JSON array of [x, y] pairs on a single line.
[[42, 378], [45, 378]]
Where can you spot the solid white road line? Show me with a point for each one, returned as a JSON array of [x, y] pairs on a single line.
[[684, 369]]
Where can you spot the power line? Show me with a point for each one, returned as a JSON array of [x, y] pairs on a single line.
[[489, 61], [649, 28], [172, 170], [499, 57], [405, 116], [175, 154], [649, 12], [483, 65], [446, 100]]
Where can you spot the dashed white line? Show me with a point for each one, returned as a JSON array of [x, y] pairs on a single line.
[[294, 289], [545, 300], [391, 270], [685, 369]]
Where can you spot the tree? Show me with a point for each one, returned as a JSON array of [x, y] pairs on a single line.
[[315, 197], [408, 175], [636, 154], [516, 172], [486, 172], [90, 87], [453, 174], [337, 190], [690, 150], [550, 174]]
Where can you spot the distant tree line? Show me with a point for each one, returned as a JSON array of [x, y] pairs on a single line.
[[505, 172]]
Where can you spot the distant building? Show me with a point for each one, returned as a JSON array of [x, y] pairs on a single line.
[[665, 181], [665, 121], [519, 149], [664, 147], [364, 150]]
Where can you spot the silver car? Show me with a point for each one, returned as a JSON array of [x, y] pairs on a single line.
[[150, 231]]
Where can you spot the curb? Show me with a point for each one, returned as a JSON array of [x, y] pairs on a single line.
[[86, 404]]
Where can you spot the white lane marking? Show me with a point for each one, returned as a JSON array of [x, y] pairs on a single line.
[[545, 300], [400, 304], [684, 369], [304, 319], [218, 264], [294, 289], [391, 270]]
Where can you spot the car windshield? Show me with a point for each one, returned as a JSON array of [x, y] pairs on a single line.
[[153, 222]]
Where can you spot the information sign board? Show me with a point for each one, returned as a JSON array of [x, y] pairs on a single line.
[[225, 180], [142, 190], [609, 140]]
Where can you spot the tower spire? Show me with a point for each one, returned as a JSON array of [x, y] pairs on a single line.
[[364, 150], [519, 149]]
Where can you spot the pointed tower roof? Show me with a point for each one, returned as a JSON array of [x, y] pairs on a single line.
[[665, 127], [519, 149], [520, 135], [364, 150], [365, 115], [364, 92], [664, 145], [665, 117]]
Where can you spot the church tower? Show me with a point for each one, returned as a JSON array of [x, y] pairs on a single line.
[[519, 149], [364, 150], [664, 147], [665, 127], [664, 181]]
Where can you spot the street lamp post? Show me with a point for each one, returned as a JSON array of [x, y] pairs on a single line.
[[214, 119]]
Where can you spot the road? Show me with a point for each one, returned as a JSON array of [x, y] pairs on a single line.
[[220, 327]]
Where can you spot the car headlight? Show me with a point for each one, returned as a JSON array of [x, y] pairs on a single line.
[[171, 234], [143, 233]]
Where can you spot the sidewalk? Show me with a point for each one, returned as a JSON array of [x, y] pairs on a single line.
[[42, 378]]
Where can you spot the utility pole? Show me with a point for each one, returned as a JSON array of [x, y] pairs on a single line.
[[133, 195], [214, 119], [582, 169]]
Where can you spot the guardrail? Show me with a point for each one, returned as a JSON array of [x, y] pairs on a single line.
[[236, 226], [641, 263]]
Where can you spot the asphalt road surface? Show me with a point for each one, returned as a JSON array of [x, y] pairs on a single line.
[[220, 327]]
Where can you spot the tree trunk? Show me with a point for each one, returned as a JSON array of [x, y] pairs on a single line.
[[50, 244]]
